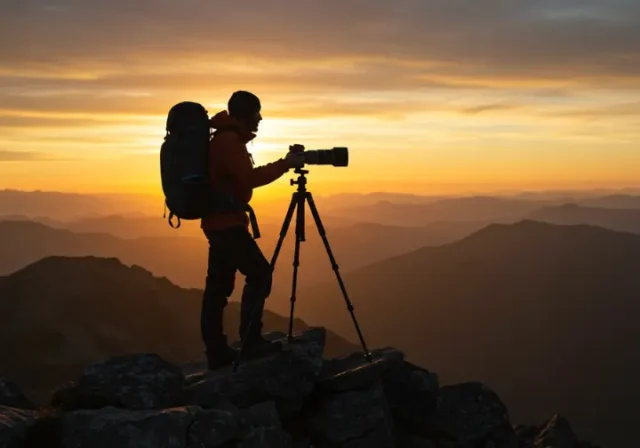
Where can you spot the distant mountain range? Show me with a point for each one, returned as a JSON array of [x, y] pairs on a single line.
[[623, 201], [477, 208], [183, 259], [545, 314], [473, 208], [122, 226], [60, 313], [66, 206], [624, 220], [25, 242], [348, 208]]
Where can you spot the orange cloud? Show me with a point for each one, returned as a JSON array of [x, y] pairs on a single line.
[[456, 90], [24, 156], [572, 39]]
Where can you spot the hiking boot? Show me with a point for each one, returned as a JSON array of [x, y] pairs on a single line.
[[220, 358], [259, 346]]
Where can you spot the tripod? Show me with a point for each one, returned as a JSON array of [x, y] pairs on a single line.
[[298, 200]]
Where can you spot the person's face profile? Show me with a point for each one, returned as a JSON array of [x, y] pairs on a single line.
[[254, 121]]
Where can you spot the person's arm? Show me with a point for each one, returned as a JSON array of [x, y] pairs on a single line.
[[265, 174], [243, 175]]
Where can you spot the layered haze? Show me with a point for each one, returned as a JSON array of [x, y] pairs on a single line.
[[532, 293]]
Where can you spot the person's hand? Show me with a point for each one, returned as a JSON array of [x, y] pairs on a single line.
[[296, 148], [294, 159]]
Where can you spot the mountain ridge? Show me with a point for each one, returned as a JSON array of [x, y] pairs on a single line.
[[183, 258], [620, 219], [64, 312], [555, 301]]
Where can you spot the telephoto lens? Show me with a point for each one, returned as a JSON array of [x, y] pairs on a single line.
[[334, 157]]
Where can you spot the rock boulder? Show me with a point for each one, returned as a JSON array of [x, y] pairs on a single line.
[[294, 398]]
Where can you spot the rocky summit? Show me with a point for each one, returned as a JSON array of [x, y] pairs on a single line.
[[295, 398]]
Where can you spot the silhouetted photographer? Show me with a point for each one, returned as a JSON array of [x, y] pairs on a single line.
[[231, 247], [211, 177], [229, 169]]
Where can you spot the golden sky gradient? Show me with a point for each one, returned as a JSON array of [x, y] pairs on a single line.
[[430, 96]]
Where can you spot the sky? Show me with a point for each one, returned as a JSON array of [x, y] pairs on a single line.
[[430, 96]]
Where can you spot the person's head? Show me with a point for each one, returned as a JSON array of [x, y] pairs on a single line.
[[245, 107]]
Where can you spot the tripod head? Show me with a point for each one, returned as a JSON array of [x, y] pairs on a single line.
[[301, 181]]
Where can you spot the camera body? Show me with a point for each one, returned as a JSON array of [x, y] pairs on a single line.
[[338, 156]]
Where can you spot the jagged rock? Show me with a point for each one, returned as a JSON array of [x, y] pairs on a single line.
[[113, 427], [526, 435], [181, 427], [471, 414], [290, 399], [10, 395], [14, 426], [269, 336], [411, 391], [303, 443], [286, 377], [408, 440], [141, 381], [214, 427], [260, 427], [556, 433], [412, 394], [553, 433], [352, 419], [354, 371]]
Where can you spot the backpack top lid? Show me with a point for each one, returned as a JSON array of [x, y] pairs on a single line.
[[186, 116]]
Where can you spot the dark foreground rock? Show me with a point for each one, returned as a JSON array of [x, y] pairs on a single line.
[[291, 399], [555, 432], [353, 419], [14, 426], [287, 378], [143, 381], [10, 395], [471, 414], [111, 427]]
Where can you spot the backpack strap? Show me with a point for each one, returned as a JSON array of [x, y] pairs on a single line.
[[170, 220], [171, 216], [253, 221]]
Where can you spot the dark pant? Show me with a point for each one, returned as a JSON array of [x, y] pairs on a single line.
[[232, 250]]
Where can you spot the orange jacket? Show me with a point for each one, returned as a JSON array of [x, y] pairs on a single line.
[[232, 165]]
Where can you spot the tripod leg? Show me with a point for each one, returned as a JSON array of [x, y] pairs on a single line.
[[285, 228], [334, 265], [283, 233], [296, 260]]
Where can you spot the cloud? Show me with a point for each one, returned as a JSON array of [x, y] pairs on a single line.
[[630, 109], [24, 156], [17, 120], [88, 66], [482, 108], [470, 39]]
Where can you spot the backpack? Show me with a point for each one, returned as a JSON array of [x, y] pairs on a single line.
[[184, 168]]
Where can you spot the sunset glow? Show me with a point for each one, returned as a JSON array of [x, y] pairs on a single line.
[[547, 99]]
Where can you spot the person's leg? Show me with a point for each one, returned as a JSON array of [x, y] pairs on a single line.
[[221, 270], [258, 273]]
